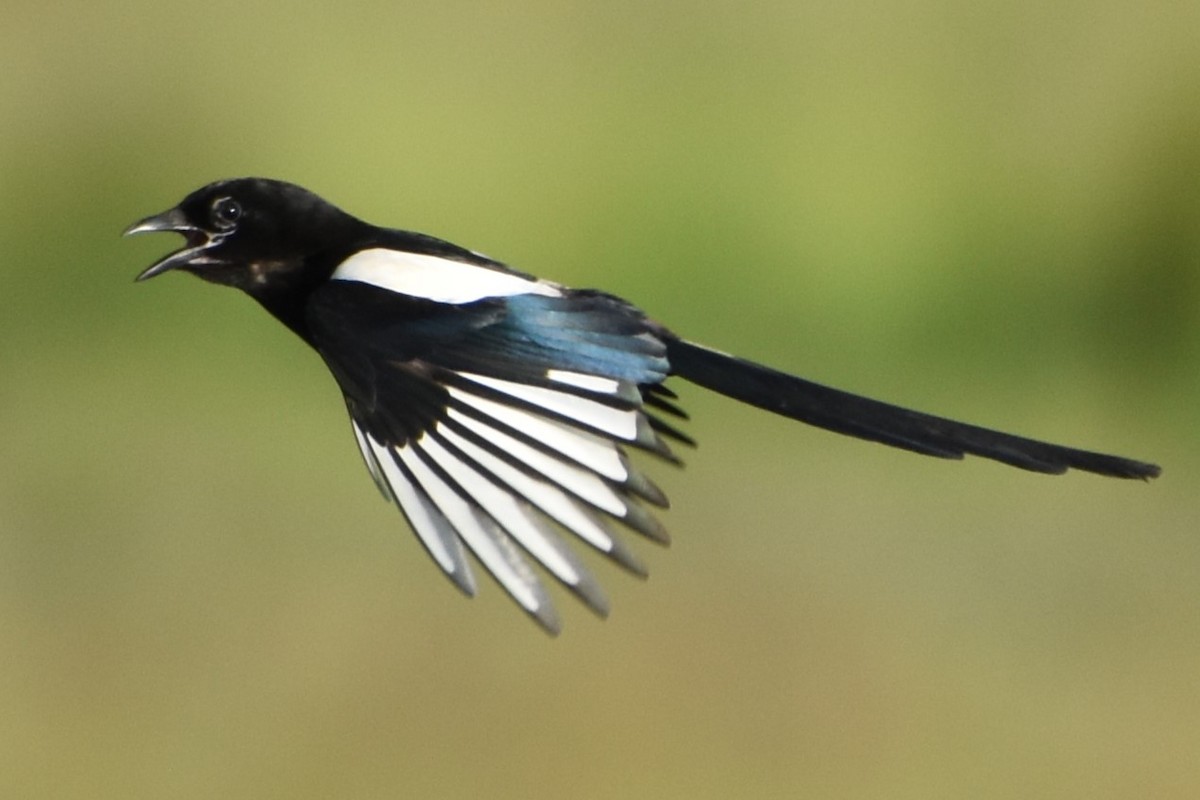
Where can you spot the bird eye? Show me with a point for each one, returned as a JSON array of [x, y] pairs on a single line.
[[226, 212]]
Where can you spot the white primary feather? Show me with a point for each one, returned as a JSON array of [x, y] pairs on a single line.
[[442, 545], [621, 423], [371, 461], [489, 544], [580, 482], [597, 454], [545, 495], [519, 521], [593, 383]]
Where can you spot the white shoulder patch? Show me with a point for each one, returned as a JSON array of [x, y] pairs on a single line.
[[434, 278]]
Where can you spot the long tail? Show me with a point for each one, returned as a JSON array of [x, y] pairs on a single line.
[[853, 415]]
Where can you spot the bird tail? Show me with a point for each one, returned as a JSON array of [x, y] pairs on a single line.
[[850, 414]]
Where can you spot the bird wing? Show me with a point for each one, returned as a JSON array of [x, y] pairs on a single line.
[[496, 421]]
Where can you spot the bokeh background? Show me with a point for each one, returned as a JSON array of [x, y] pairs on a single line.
[[989, 210]]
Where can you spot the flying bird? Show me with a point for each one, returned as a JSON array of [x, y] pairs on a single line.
[[496, 410]]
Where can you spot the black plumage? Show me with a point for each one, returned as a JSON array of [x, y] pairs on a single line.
[[494, 408]]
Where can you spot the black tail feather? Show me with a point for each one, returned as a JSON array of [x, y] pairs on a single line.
[[864, 418]]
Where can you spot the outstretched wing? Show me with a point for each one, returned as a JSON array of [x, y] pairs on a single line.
[[495, 421]]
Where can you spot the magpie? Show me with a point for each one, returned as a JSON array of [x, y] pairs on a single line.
[[497, 410]]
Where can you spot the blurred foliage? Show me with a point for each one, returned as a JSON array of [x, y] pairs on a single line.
[[989, 210]]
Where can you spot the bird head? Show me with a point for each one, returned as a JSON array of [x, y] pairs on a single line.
[[247, 232]]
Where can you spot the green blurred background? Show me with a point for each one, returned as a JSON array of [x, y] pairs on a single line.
[[989, 210]]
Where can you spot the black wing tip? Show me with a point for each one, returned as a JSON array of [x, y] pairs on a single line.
[[463, 579], [586, 590], [592, 597], [549, 624], [620, 554]]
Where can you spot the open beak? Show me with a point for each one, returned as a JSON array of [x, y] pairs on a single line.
[[189, 255]]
